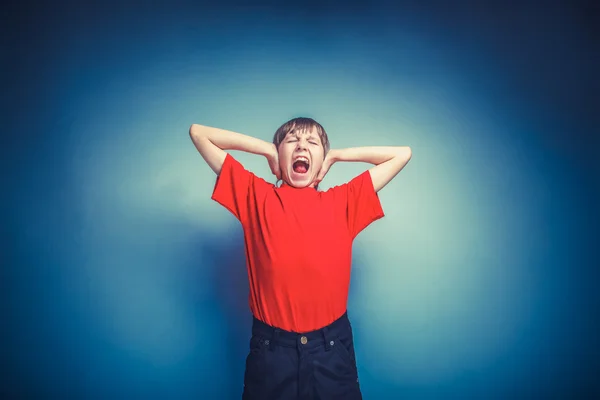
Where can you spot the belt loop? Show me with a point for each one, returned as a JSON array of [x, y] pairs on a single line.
[[274, 339], [327, 338]]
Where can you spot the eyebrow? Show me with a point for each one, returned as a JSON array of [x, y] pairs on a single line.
[[294, 134]]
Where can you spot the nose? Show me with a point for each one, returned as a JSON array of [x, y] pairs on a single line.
[[301, 145]]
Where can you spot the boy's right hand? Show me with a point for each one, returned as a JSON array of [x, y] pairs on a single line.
[[273, 159]]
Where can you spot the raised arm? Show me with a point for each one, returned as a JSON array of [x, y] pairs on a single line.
[[388, 161], [212, 143]]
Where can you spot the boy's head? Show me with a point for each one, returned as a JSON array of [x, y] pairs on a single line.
[[302, 144]]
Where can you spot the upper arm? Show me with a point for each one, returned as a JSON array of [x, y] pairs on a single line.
[[213, 155], [383, 173], [361, 203], [233, 188]]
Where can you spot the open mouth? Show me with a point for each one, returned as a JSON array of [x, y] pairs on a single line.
[[301, 165]]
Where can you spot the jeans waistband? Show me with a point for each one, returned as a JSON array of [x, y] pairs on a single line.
[[281, 337]]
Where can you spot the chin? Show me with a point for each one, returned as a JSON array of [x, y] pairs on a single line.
[[300, 185], [299, 182]]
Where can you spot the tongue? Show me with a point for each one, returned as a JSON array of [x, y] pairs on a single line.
[[300, 168]]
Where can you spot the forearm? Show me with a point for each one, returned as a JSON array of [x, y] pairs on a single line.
[[373, 154], [228, 140], [388, 161]]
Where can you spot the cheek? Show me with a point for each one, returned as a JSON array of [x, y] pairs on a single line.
[[285, 160], [285, 155], [317, 166], [282, 156]]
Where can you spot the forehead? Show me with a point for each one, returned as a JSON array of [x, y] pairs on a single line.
[[308, 131]]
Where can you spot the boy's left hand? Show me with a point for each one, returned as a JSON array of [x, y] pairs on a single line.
[[327, 163]]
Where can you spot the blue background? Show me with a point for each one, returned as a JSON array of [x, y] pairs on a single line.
[[122, 279]]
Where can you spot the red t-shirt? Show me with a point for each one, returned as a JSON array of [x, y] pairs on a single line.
[[298, 243]]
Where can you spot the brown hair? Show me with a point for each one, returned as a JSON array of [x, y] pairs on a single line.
[[301, 124]]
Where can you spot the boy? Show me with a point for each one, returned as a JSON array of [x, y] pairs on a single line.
[[298, 251]]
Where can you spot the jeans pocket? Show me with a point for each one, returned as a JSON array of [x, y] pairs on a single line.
[[255, 364], [345, 349]]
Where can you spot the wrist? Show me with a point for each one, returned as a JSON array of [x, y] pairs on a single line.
[[270, 150], [335, 155]]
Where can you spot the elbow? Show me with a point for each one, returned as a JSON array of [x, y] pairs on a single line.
[[196, 131], [405, 153], [192, 130]]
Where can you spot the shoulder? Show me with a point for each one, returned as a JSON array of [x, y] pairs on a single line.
[[234, 167], [359, 181]]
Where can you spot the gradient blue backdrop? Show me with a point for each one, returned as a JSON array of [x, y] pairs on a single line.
[[122, 279]]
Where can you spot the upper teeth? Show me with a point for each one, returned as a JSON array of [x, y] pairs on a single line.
[[302, 159]]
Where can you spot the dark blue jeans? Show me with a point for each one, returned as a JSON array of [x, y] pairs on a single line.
[[290, 366]]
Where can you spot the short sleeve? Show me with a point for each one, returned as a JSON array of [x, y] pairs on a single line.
[[364, 206], [232, 187]]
